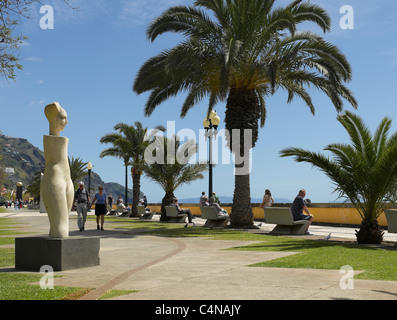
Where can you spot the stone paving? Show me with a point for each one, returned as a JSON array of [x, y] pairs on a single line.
[[162, 268]]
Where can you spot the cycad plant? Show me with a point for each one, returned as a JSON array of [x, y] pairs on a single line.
[[171, 175], [241, 52], [364, 172]]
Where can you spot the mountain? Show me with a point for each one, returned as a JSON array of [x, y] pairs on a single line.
[[114, 188], [22, 160]]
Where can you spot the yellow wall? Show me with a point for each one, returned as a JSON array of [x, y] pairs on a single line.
[[323, 214]]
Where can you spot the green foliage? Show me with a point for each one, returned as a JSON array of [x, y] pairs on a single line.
[[129, 143], [248, 45], [11, 12], [77, 170], [376, 264], [20, 286], [364, 172], [171, 176], [242, 52]]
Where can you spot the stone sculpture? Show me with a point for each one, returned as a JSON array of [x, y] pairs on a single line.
[[56, 186]]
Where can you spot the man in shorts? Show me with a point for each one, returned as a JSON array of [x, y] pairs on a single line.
[[298, 206]]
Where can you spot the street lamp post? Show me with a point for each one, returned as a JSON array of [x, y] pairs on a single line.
[[210, 124], [89, 168]]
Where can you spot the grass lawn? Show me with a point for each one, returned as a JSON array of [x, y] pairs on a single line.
[[377, 264]]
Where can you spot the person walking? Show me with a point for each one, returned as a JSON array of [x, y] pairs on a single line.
[[81, 202], [144, 201], [110, 201], [100, 201]]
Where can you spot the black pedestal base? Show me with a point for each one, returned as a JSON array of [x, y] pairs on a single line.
[[32, 253]]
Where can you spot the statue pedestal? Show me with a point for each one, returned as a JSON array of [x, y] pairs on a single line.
[[31, 253]]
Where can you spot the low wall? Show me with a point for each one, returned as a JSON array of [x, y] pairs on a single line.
[[327, 213]]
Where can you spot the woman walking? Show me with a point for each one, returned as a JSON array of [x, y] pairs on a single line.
[[100, 206]]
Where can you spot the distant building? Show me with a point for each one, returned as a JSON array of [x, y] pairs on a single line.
[[9, 171]]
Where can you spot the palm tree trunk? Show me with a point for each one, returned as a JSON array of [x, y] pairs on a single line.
[[369, 232], [166, 201], [241, 215], [242, 112], [126, 186], [136, 190]]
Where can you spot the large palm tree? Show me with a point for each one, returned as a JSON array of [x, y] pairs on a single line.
[[171, 176], [364, 172], [118, 150], [241, 52], [130, 143]]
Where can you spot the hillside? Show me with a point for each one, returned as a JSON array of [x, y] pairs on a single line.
[[22, 160], [114, 188], [22, 157]]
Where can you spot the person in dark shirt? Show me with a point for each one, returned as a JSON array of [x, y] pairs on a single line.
[[298, 207], [81, 203], [183, 211]]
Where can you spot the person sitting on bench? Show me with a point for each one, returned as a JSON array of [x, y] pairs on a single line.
[[298, 206], [220, 211], [183, 211]]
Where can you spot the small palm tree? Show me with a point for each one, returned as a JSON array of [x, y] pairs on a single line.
[[241, 52], [130, 143], [364, 172], [77, 170], [34, 188], [171, 176]]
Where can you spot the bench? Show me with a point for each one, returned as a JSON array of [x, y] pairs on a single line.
[[143, 214], [173, 215], [213, 219], [285, 224], [120, 210], [391, 217]]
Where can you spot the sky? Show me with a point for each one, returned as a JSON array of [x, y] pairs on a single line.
[[89, 60]]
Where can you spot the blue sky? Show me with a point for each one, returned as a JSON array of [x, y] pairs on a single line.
[[89, 61]]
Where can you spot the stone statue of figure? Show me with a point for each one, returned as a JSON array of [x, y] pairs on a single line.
[[56, 187]]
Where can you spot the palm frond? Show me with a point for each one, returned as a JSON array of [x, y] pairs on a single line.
[[365, 171]]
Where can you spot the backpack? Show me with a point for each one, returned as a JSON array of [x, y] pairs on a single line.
[[82, 195]]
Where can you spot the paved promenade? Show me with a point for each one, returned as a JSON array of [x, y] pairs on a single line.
[[162, 268]]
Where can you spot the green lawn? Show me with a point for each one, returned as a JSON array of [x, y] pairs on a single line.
[[377, 264]]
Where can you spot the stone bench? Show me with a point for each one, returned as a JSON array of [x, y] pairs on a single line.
[[284, 221], [213, 219], [391, 217], [173, 215], [143, 214], [120, 210]]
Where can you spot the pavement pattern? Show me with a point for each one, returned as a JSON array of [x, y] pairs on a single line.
[[165, 268]]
